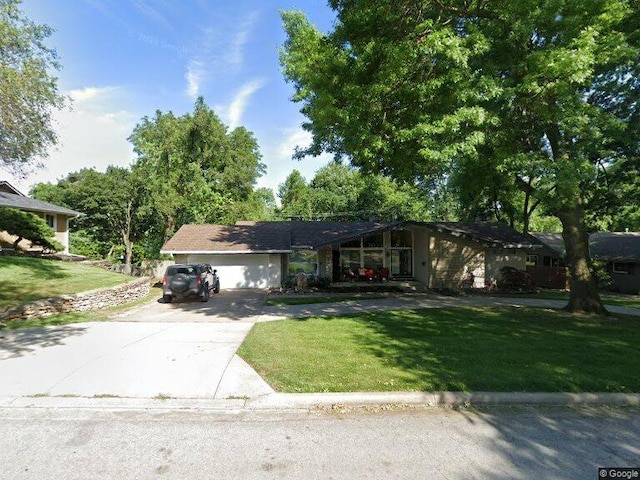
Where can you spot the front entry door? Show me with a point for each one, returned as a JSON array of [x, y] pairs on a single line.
[[402, 262]]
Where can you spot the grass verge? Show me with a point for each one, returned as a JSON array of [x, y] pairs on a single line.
[[25, 279], [461, 349]]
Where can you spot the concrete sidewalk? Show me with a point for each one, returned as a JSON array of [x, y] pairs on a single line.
[[413, 301]]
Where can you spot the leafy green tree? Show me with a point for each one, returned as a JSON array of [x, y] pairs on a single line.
[[26, 225], [334, 192], [28, 90], [417, 90], [295, 198], [342, 193], [110, 202], [260, 206], [192, 170]]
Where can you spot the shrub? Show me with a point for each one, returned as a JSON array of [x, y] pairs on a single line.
[[512, 279], [26, 225], [603, 277]]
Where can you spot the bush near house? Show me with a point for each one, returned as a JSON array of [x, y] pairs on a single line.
[[26, 225]]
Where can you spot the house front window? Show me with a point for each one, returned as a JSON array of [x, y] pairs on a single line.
[[351, 259], [373, 259], [51, 220], [623, 268], [532, 261], [303, 261]]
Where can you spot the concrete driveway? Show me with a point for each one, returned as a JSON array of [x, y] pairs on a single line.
[[228, 305], [179, 350]]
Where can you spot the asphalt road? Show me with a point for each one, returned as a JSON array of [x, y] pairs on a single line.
[[438, 444]]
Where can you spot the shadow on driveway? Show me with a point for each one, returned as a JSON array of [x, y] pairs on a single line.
[[228, 305], [16, 343]]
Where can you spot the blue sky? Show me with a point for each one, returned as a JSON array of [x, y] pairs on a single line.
[[125, 59]]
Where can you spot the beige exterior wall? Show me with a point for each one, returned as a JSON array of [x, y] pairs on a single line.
[[452, 258], [61, 233], [503, 258], [421, 255]]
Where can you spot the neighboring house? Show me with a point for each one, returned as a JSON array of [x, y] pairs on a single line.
[[56, 217], [263, 254], [619, 250], [547, 266]]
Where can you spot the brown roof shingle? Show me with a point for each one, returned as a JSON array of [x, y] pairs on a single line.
[[224, 238], [274, 237]]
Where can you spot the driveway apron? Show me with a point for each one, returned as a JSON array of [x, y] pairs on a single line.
[[180, 350]]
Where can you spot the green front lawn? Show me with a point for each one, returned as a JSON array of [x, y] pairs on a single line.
[[25, 279], [462, 349]]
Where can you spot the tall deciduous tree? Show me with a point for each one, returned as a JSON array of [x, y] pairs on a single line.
[[417, 89], [342, 193], [28, 89], [110, 202], [193, 170]]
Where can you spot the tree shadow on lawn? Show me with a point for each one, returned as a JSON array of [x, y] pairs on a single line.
[[506, 349], [20, 289], [554, 442], [44, 268], [20, 342]]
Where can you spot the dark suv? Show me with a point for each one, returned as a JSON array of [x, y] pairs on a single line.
[[189, 280]]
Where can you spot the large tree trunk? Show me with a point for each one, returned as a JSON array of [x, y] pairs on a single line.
[[584, 296]]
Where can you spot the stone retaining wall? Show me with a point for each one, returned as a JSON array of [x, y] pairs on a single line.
[[79, 302]]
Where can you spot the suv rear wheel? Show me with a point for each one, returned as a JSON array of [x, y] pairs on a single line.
[[166, 298], [205, 293]]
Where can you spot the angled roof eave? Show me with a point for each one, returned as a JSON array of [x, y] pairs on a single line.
[[381, 227], [221, 252]]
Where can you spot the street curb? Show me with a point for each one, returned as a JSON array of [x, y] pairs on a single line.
[[434, 399], [309, 401]]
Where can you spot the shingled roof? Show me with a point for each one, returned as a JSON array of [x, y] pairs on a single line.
[[266, 237], [10, 197], [491, 233], [609, 246], [615, 246], [283, 237]]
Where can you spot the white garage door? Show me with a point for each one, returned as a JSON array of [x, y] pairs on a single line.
[[251, 270]]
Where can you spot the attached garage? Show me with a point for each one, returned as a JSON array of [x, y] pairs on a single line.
[[246, 256], [242, 270]]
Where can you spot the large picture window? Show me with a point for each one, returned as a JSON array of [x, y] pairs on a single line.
[[303, 261], [351, 259]]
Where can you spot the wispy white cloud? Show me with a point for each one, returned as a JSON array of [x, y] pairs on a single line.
[[194, 76], [152, 13], [108, 10], [238, 105], [220, 51], [88, 94], [239, 40]]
